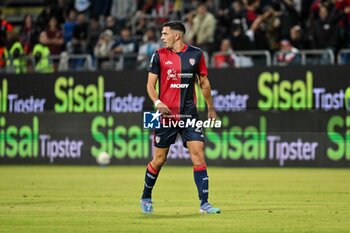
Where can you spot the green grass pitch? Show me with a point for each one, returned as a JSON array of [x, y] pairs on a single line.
[[94, 199]]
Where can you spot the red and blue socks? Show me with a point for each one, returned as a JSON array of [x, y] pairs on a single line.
[[150, 180], [202, 182]]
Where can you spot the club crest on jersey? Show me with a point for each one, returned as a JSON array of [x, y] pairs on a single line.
[[157, 139], [192, 61], [171, 74]]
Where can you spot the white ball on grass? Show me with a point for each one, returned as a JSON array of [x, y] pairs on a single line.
[[103, 159]]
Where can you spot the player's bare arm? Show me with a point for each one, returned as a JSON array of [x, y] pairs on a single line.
[[206, 91], [152, 93]]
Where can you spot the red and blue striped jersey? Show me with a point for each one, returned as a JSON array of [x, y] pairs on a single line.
[[177, 74]]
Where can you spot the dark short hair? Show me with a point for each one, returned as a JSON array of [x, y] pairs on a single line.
[[175, 25]]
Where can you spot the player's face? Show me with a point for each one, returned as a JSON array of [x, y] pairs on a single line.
[[168, 37]]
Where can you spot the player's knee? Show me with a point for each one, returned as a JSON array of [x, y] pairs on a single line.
[[159, 160], [158, 163], [197, 157]]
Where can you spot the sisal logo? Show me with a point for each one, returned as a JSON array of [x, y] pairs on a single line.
[[338, 132], [73, 97], [300, 94], [119, 141], [252, 142], [179, 85], [25, 141], [19, 139], [347, 99], [3, 95]]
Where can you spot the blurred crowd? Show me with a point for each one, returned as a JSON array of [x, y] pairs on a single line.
[[129, 30]]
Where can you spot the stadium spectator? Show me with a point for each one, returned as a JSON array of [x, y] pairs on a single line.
[[289, 17], [212, 5], [150, 44], [273, 24], [54, 37], [257, 33], [236, 11], [128, 47], [189, 27], [44, 17], [324, 30], [14, 55], [203, 28], [178, 8], [142, 23], [161, 11], [112, 25], [238, 38], [60, 10], [225, 57], [297, 38], [250, 12], [5, 28], [69, 25], [103, 48], [41, 55], [28, 34], [287, 55], [307, 24], [122, 10], [78, 44], [93, 34]]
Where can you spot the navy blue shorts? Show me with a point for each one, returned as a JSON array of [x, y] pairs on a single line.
[[164, 137]]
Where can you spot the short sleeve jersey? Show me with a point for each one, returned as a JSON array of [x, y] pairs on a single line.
[[177, 73]]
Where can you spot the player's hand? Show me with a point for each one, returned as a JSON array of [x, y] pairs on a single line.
[[163, 109], [212, 114]]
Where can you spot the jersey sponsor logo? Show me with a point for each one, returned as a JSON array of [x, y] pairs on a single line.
[[192, 61], [171, 74], [185, 75], [179, 85], [168, 63]]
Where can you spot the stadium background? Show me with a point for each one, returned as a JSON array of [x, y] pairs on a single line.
[[282, 102], [279, 70]]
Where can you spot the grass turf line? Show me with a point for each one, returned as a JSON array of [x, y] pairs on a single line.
[[94, 199]]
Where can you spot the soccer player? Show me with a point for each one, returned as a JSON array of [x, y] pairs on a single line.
[[176, 67]]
